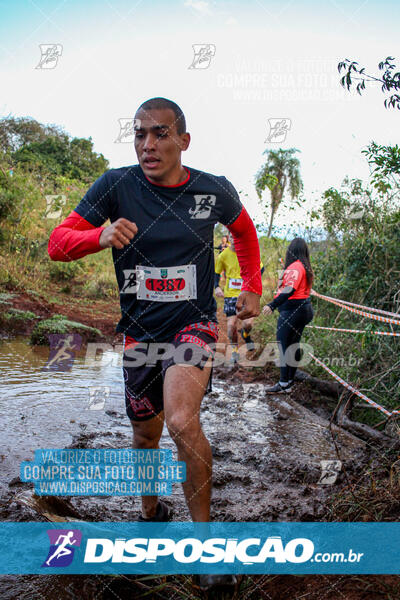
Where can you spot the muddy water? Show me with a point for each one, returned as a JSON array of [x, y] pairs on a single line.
[[46, 409], [266, 450]]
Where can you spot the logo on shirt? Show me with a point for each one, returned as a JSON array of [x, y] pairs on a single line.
[[132, 282], [291, 276], [287, 278], [204, 204]]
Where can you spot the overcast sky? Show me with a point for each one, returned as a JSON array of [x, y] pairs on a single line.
[[272, 60]]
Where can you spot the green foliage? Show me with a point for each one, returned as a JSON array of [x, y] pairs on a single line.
[[265, 180], [5, 298], [385, 164], [20, 315], [37, 161], [361, 257], [47, 151], [7, 280], [18, 132], [390, 81], [102, 287], [63, 271], [280, 174], [61, 156], [59, 324], [16, 321], [272, 250], [359, 262], [13, 196]]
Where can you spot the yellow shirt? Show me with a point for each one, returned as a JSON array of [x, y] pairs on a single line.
[[228, 262]]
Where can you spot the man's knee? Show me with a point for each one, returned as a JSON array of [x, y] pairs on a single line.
[[248, 324], [232, 329], [183, 427], [145, 436]]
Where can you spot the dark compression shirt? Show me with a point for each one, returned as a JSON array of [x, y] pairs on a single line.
[[175, 229]]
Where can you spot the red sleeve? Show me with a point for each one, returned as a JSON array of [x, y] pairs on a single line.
[[74, 238], [248, 252]]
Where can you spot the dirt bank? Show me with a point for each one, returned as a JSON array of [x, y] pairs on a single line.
[[101, 314]]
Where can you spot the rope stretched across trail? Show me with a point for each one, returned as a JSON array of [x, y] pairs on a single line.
[[352, 307], [369, 315], [376, 310], [355, 330], [354, 390]]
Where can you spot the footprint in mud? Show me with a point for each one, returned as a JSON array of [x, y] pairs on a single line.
[[52, 508]]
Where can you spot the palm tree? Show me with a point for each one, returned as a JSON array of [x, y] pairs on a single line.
[[280, 172]]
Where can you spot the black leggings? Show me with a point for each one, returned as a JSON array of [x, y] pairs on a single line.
[[290, 327]]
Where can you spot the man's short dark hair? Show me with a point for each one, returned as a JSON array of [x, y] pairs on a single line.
[[162, 103]]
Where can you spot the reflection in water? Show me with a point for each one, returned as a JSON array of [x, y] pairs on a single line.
[[43, 409]]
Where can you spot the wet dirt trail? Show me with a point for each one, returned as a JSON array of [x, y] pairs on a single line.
[[266, 460]]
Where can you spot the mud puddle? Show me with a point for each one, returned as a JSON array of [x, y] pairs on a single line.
[[266, 454]]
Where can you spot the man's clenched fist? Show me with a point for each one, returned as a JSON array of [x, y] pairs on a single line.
[[247, 305], [119, 234]]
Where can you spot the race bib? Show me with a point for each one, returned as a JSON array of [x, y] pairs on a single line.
[[235, 284], [169, 284]]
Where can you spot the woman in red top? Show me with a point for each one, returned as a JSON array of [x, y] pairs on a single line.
[[295, 311]]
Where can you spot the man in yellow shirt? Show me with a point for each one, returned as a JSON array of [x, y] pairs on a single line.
[[227, 262]]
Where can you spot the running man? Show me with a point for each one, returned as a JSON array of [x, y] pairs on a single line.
[[227, 262], [65, 350], [162, 221], [62, 550]]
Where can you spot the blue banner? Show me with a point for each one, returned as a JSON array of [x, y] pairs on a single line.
[[185, 548], [103, 472]]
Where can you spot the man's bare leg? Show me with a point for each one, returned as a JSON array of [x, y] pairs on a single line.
[[146, 434], [247, 324], [184, 388], [245, 328], [231, 326]]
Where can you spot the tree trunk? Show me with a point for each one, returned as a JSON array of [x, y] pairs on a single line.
[[328, 388], [276, 198], [334, 389], [366, 432], [270, 223]]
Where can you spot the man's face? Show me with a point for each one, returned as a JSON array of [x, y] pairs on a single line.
[[157, 143]]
